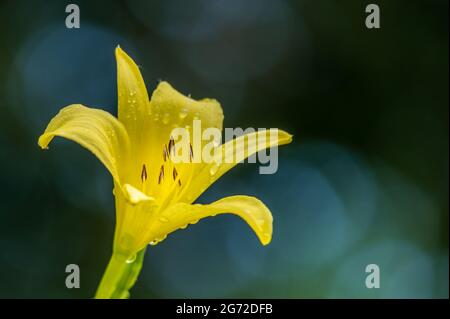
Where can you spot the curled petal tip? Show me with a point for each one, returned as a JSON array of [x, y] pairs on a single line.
[[285, 137], [265, 238], [43, 141], [266, 242], [289, 137]]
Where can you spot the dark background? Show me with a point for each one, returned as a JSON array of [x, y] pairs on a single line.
[[365, 180]]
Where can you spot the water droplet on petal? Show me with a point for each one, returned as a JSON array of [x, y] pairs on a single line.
[[183, 113], [194, 222], [213, 169], [184, 227], [131, 259], [166, 118], [153, 242], [163, 219]]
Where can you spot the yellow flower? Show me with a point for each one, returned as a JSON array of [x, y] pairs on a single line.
[[154, 195]]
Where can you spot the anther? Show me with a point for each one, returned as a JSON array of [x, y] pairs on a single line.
[[165, 153], [143, 173], [191, 152], [161, 174], [174, 173], [171, 146]]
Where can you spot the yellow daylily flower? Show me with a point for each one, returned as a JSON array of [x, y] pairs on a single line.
[[153, 194]]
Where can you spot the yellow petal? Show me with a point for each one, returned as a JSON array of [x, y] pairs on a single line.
[[97, 130], [251, 209], [134, 108], [231, 153]]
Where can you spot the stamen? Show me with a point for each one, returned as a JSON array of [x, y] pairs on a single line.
[[191, 152], [143, 173], [171, 146], [161, 174], [174, 173], [165, 153]]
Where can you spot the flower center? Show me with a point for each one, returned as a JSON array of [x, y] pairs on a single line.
[[171, 176]]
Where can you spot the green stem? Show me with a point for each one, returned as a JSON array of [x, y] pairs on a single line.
[[120, 276]]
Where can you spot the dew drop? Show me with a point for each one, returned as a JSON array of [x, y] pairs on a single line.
[[214, 168], [184, 227], [153, 242], [163, 219], [194, 222], [131, 259], [166, 118], [183, 113]]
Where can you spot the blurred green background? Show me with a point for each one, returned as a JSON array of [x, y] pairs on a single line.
[[365, 180]]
